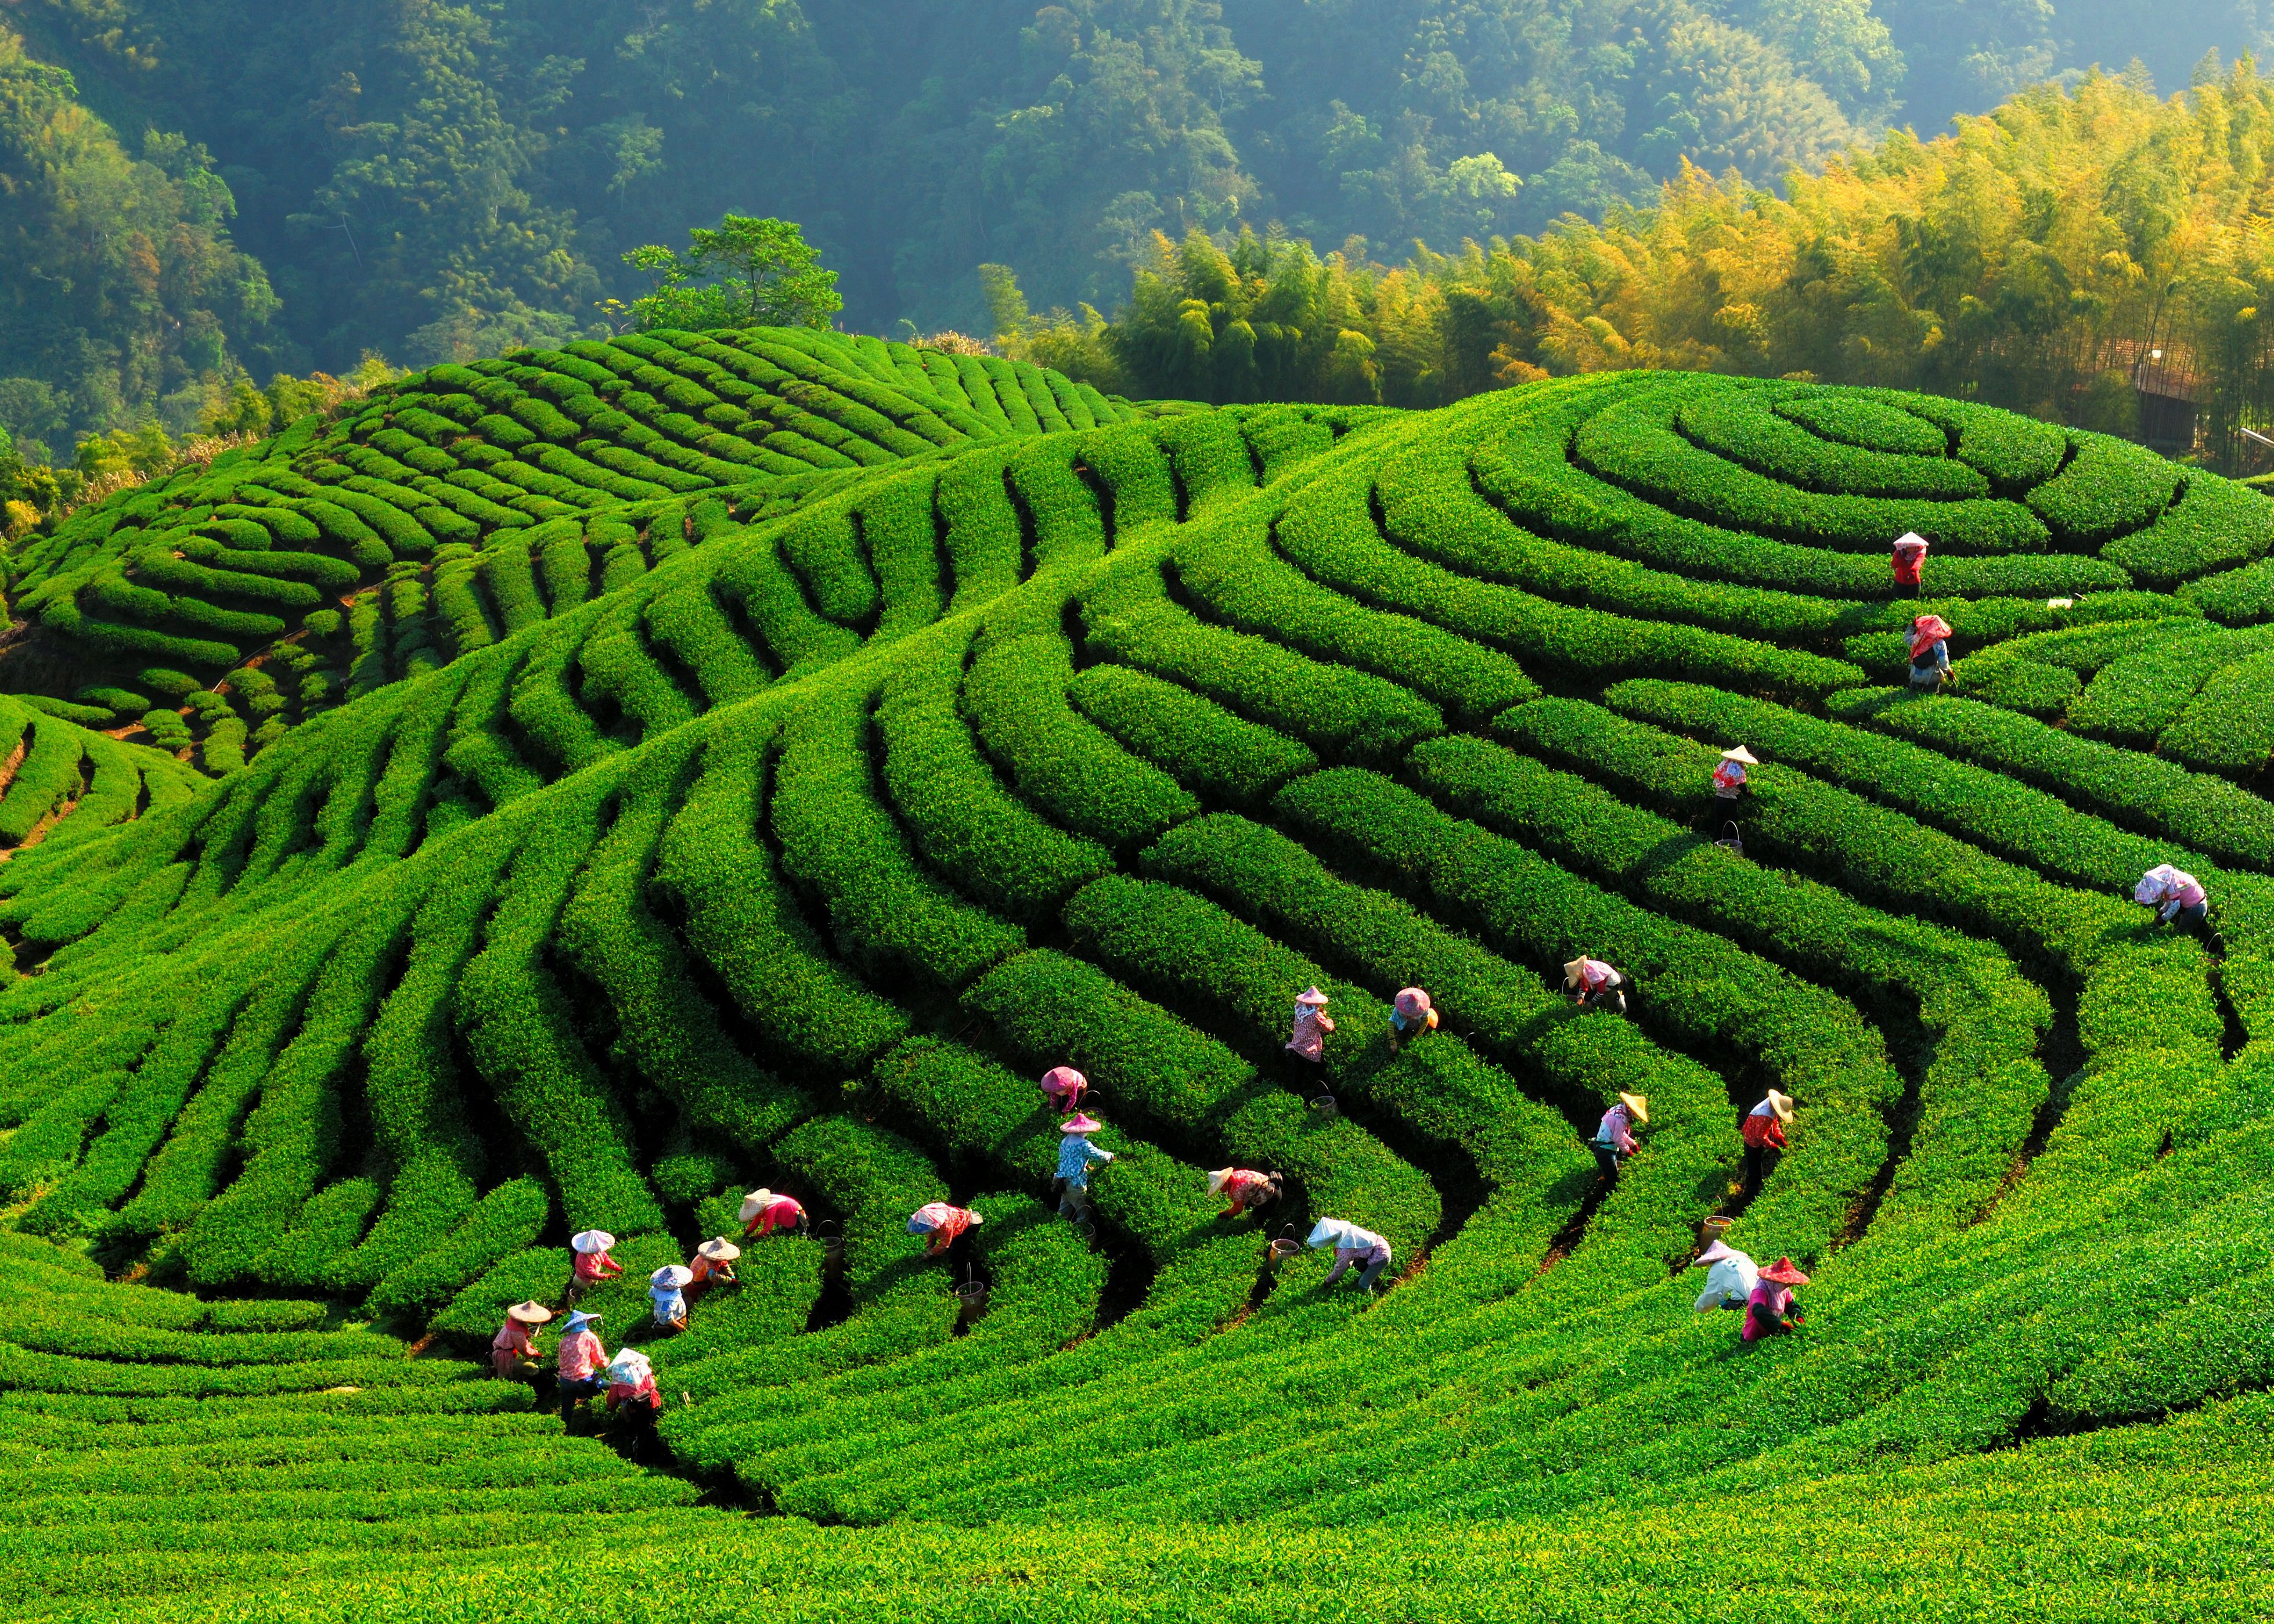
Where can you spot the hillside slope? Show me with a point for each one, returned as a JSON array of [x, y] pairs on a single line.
[[796, 858], [466, 502]]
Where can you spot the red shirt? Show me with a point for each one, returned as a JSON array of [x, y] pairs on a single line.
[[782, 1213], [621, 1393], [580, 1356], [1762, 1128], [1907, 561]]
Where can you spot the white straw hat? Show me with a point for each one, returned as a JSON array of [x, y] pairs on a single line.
[[590, 1241], [529, 1313], [756, 1202], [719, 1251]]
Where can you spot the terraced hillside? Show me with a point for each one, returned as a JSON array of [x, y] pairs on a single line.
[[242, 597], [795, 858]]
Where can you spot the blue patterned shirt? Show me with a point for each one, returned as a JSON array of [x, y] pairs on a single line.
[[1075, 1156]]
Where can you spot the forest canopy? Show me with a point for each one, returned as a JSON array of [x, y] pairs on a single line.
[[294, 186]]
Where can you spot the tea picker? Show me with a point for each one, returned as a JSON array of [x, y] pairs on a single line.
[[593, 1264], [1763, 1132], [1410, 1014], [632, 1394], [2178, 897], [1730, 1277], [763, 1212], [1351, 1244], [1063, 1089], [1243, 1189], [1771, 1309], [1729, 777], [941, 1223], [713, 1266], [1929, 651], [667, 1289], [1908, 555], [1615, 1140], [582, 1359], [1308, 1040], [1076, 1157], [513, 1351], [1594, 985]]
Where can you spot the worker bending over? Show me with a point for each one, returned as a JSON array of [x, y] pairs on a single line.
[[1763, 1132], [666, 1288], [1410, 1014], [764, 1211], [1076, 1157], [713, 1266], [582, 1362], [940, 1223], [2178, 897], [1614, 1138], [1308, 1040], [1594, 985], [593, 1264], [1245, 1190], [1929, 651], [1730, 1277], [632, 1395], [1063, 1089], [1772, 1310], [1729, 777], [1351, 1244], [513, 1351]]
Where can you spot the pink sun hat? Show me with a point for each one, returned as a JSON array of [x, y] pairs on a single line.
[[1081, 1123], [1412, 1004]]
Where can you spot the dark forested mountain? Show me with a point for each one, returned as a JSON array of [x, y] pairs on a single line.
[[435, 181]]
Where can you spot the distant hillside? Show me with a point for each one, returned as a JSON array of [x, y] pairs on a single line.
[[448, 182], [229, 603]]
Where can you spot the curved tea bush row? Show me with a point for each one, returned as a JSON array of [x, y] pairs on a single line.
[[448, 488], [705, 831]]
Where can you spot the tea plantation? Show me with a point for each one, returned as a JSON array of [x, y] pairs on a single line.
[[583, 787]]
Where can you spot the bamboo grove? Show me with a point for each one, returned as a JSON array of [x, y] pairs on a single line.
[[2032, 260]]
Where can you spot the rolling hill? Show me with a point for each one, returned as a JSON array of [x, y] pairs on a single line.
[[792, 851]]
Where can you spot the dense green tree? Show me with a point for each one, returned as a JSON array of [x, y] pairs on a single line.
[[446, 179], [742, 273], [123, 291]]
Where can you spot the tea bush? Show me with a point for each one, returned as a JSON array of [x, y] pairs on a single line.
[[587, 785]]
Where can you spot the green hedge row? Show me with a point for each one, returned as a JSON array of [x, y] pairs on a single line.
[[742, 919], [1633, 444], [966, 822], [2228, 727], [2140, 791], [1695, 989], [1016, 697], [2140, 985], [2133, 699], [1852, 419], [1747, 427], [1982, 1081]]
